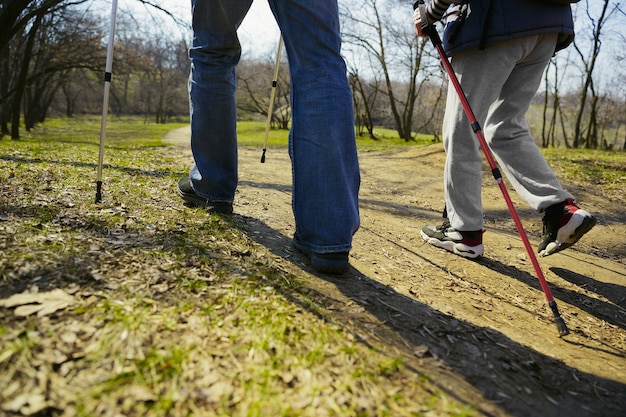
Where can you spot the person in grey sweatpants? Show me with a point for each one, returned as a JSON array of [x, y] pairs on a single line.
[[499, 51]]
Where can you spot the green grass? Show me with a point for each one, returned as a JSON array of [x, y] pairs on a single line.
[[130, 131], [602, 167], [253, 134]]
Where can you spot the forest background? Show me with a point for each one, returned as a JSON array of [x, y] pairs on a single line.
[[52, 59]]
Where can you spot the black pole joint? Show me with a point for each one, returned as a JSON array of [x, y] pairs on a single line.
[[98, 191]]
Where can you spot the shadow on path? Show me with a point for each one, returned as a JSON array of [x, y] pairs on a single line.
[[514, 378]]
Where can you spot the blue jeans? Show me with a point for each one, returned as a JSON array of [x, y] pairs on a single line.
[[322, 145]]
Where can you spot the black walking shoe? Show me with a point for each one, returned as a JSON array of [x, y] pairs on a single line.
[[466, 244], [327, 262], [186, 191], [563, 225]]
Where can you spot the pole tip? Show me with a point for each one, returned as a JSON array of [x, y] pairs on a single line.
[[560, 324], [263, 156]]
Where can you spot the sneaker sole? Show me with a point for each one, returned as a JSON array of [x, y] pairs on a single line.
[[568, 235], [456, 248]]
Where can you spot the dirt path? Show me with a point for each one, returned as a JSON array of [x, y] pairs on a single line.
[[480, 329]]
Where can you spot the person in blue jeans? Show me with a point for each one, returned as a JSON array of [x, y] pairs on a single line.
[[499, 51], [322, 146]]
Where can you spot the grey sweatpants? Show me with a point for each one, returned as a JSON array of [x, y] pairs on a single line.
[[499, 83]]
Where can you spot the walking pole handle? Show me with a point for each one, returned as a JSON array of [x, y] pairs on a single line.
[[427, 29]]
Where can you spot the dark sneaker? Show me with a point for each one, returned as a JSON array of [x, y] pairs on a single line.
[[186, 191], [329, 263], [563, 225], [467, 244]]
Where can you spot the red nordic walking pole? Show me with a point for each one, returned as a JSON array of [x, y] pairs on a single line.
[[436, 41]]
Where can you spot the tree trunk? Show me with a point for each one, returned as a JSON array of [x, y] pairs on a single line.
[[21, 80], [589, 68]]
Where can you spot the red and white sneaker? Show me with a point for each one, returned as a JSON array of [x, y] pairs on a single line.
[[563, 225], [467, 244]]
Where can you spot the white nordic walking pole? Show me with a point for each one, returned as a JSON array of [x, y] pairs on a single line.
[[270, 110], [105, 101]]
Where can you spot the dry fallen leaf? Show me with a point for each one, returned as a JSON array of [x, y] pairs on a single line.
[[42, 303], [26, 404]]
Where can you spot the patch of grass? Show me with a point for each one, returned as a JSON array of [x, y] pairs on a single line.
[[388, 140], [604, 168], [253, 134], [130, 131]]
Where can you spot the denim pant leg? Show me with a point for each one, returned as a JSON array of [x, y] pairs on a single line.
[[322, 143], [214, 54]]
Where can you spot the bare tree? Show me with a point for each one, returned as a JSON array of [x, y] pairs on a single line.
[[45, 45], [254, 80], [553, 116], [364, 96], [20, 85], [68, 42], [589, 98], [162, 75], [612, 116], [399, 56], [42, 42], [620, 81], [15, 15]]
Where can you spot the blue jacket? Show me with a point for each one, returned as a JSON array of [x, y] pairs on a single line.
[[489, 21]]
